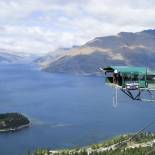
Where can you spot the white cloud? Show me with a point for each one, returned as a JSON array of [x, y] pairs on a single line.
[[43, 25]]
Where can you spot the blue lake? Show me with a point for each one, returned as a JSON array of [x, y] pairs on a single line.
[[66, 111]]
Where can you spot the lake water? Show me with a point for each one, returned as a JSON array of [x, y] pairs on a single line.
[[66, 111]]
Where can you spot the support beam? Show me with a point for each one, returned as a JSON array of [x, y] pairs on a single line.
[[129, 93]]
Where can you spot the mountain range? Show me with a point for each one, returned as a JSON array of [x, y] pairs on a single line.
[[47, 59], [125, 48], [8, 57], [11, 57]]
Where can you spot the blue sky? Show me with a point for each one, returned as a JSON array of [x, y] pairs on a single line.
[[40, 26]]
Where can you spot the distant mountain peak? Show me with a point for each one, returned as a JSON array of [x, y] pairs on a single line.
[[126, 34], [149, 31]]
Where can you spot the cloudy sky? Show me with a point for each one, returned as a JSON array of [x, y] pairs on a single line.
[[40, 26]]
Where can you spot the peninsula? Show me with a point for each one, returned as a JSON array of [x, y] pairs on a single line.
[[13, 122]]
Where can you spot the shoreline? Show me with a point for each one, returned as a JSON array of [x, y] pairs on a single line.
[[145, 142], [15, 129]]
